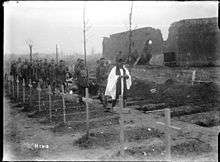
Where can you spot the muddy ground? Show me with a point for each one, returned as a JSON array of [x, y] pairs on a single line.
[[26, 139], [195, 118]]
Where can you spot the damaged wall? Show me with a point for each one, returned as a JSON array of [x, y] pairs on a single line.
[[195, 41], [120, 42]]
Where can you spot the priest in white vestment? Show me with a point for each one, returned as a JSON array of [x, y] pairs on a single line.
[[119, 81]]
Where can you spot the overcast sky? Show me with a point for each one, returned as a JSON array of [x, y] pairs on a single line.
[[50, 23]]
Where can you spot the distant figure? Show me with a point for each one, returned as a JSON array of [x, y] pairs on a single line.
[[13, 69], [24, 71], [119, 81], [101, 77], [80, 73], [146, 55], [51, 69], [61, 70], [132, 57]]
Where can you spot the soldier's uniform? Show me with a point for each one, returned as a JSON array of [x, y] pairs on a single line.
[[81, 75], [30, 71], [24, 72], [51, 75], [61, 70], [101, 76], [146, 54], [13, 70], [45, 72], [18, 69], [132, 57]]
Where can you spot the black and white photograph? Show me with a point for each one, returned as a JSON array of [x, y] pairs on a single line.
[[111, 81]]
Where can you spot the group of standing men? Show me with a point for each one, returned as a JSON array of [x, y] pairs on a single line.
[[111, 81], [39, 70]]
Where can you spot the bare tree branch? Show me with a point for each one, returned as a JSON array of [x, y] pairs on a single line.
[[29, 42]]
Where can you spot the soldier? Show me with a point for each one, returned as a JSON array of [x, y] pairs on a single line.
[[61, 70], [18, 69], [76, 67], [24, 71], [51, 70], [146, 55], [35, 64], [80, 73], [132, 57], [40, 72], [45, 72], [101, 76], [30, 71], [13, 70]]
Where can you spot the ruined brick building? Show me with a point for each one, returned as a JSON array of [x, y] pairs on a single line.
[[194, 41], [120, 42]]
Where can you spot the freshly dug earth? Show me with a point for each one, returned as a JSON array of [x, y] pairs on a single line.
[[205, 119], [22, 130], [111, 137], [188, 148], [173, 93], [62, 128]]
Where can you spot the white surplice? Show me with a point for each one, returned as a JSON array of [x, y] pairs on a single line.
[[112, 80]]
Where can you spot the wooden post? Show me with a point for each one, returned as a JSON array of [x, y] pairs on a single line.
[[23, 85], [64, 106], [39, 97], [121, 121], [167, 133], [17, 88], [87, 113], [193, 76], [49, 88]]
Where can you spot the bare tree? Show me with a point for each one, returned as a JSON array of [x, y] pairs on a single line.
[[86, 89], [130, 28], [84, 32], [29, 42]]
